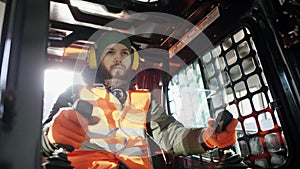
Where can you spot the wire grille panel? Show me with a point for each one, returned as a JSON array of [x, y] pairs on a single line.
[[235, 65]]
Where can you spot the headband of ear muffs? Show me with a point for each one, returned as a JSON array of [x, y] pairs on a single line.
[[90, 71], [93, 61], [106, 39]]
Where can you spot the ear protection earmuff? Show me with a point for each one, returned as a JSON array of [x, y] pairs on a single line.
[[92, 58], [135, 61], [93, 62]]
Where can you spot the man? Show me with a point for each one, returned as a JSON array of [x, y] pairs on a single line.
[[125, 121]]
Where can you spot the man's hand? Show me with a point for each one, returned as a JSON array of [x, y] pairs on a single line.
[[223, 139], [69, 128]]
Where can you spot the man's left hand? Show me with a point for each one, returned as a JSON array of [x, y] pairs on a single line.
[[223, 139]]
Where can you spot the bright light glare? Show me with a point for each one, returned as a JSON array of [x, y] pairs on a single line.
[[56, 81], [147, 0]]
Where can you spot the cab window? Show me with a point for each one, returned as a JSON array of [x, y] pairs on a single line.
[[231, 77]]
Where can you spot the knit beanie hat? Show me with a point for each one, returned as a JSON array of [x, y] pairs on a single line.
[[107, 38], [110, 37]]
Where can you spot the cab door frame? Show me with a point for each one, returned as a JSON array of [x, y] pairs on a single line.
[[23, 56]]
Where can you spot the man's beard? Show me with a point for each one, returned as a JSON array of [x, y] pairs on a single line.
[[118, 80], [119, 75]]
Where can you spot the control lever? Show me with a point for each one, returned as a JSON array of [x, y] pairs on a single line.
[[59, 158], [227, 157], [223, 119]]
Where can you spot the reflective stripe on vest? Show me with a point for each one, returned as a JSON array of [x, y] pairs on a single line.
[[121, 132]]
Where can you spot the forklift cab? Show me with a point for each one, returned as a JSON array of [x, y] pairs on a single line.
[[198, 58]]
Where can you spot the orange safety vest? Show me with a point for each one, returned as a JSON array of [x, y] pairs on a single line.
[[120, 132]]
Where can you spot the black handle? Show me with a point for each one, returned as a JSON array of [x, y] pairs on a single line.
[[223, 119], [84, 108], [229, 159]]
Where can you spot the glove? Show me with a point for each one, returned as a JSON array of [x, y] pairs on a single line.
[[70, 128], [223, 139]]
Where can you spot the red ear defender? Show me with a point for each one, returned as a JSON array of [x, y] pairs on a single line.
[[135, 61]]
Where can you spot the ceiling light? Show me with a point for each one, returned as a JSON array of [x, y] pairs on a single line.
[[147, 0], [95, 9]]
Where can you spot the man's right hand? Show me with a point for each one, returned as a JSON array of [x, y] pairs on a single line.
[[69, 128]]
